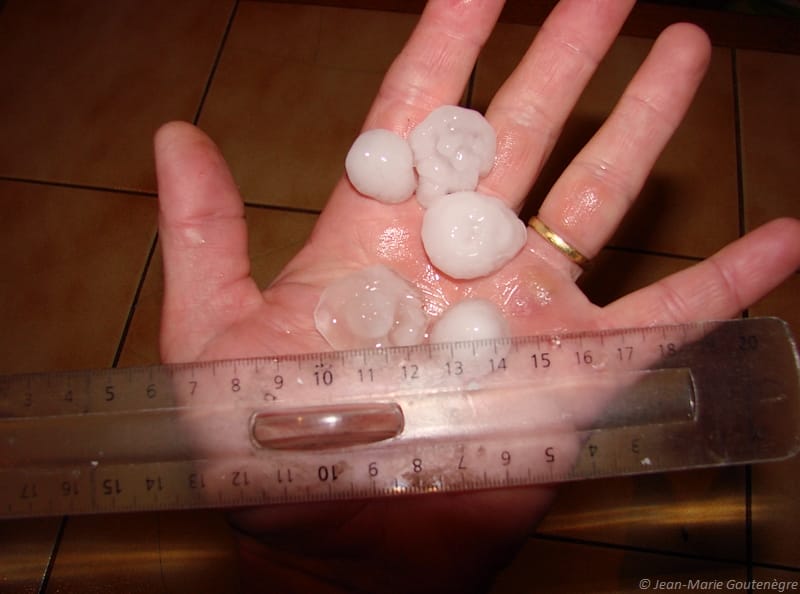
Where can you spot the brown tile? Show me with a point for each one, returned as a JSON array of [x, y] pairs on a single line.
[[87, 84], [769, 95], [285, 117], [698, 513], [146, 552], [109, 552], [782, 303], [275, 236], [367, 40], [775, 491], [689, 204], [553, 566], [71, 262], [776, 521], [770, 127], [25, 550], [198, 553], [767, 579], [615, 273]]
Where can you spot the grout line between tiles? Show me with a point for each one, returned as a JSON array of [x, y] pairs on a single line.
[[215, 63], [748, 474], [283, 208], [136, 294], [51, 561], [471, 85], [776, 566], [634, 549], [646, 252], [737, 127], [74, 186]]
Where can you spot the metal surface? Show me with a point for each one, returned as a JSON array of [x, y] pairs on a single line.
[[388, 422]]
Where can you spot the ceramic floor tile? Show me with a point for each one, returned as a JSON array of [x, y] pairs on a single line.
[[86, 84], [615, 273], [148, 553], [766, 580], [285, 117], [111, 553], [551, 566], [25, 550], [698, 513], [274, 236], [769, 95], [71, 262], [782, 302], [689, 204], [776, 521], [367, 40], [198, 553], [775, 491]]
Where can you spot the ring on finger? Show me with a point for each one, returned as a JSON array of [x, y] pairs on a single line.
[[557, 241]]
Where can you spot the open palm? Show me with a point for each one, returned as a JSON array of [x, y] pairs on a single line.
[[213, 309]]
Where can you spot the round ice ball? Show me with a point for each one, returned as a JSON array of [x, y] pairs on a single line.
[[468, 235], [471, 319], [380, 165]]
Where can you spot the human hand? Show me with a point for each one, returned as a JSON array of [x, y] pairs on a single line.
[[213, 309]]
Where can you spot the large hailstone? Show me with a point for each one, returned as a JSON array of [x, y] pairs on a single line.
[[471, 319], [373, 307], [453, 148], [468, 235], [380, 165]]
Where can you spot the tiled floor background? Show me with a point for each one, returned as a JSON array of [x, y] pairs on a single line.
[[283, 89]]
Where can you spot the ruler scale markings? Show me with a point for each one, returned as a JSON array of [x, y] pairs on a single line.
[[636, 440]]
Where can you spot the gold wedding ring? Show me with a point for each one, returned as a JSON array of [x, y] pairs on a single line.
[[557, 241]]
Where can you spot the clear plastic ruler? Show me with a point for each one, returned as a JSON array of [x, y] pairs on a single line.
[[399, 421]]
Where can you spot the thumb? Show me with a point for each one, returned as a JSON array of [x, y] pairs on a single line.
[[207, 283]]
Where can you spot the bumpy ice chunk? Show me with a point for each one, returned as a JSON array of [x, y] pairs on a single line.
[[471, 319], [380, 165], [373, 307], [469, 235], [453, 147]]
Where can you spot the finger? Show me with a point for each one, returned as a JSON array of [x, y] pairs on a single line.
[[531, 107], [203, 238], [588, 201], [435, 64], [719, 287]]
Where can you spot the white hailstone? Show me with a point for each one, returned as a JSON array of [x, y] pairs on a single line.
[[380, 165], [373, 307], [471, 319], [468, 235], [453, 148]]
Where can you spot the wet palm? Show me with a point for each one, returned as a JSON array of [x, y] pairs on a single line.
[[213, 308]]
